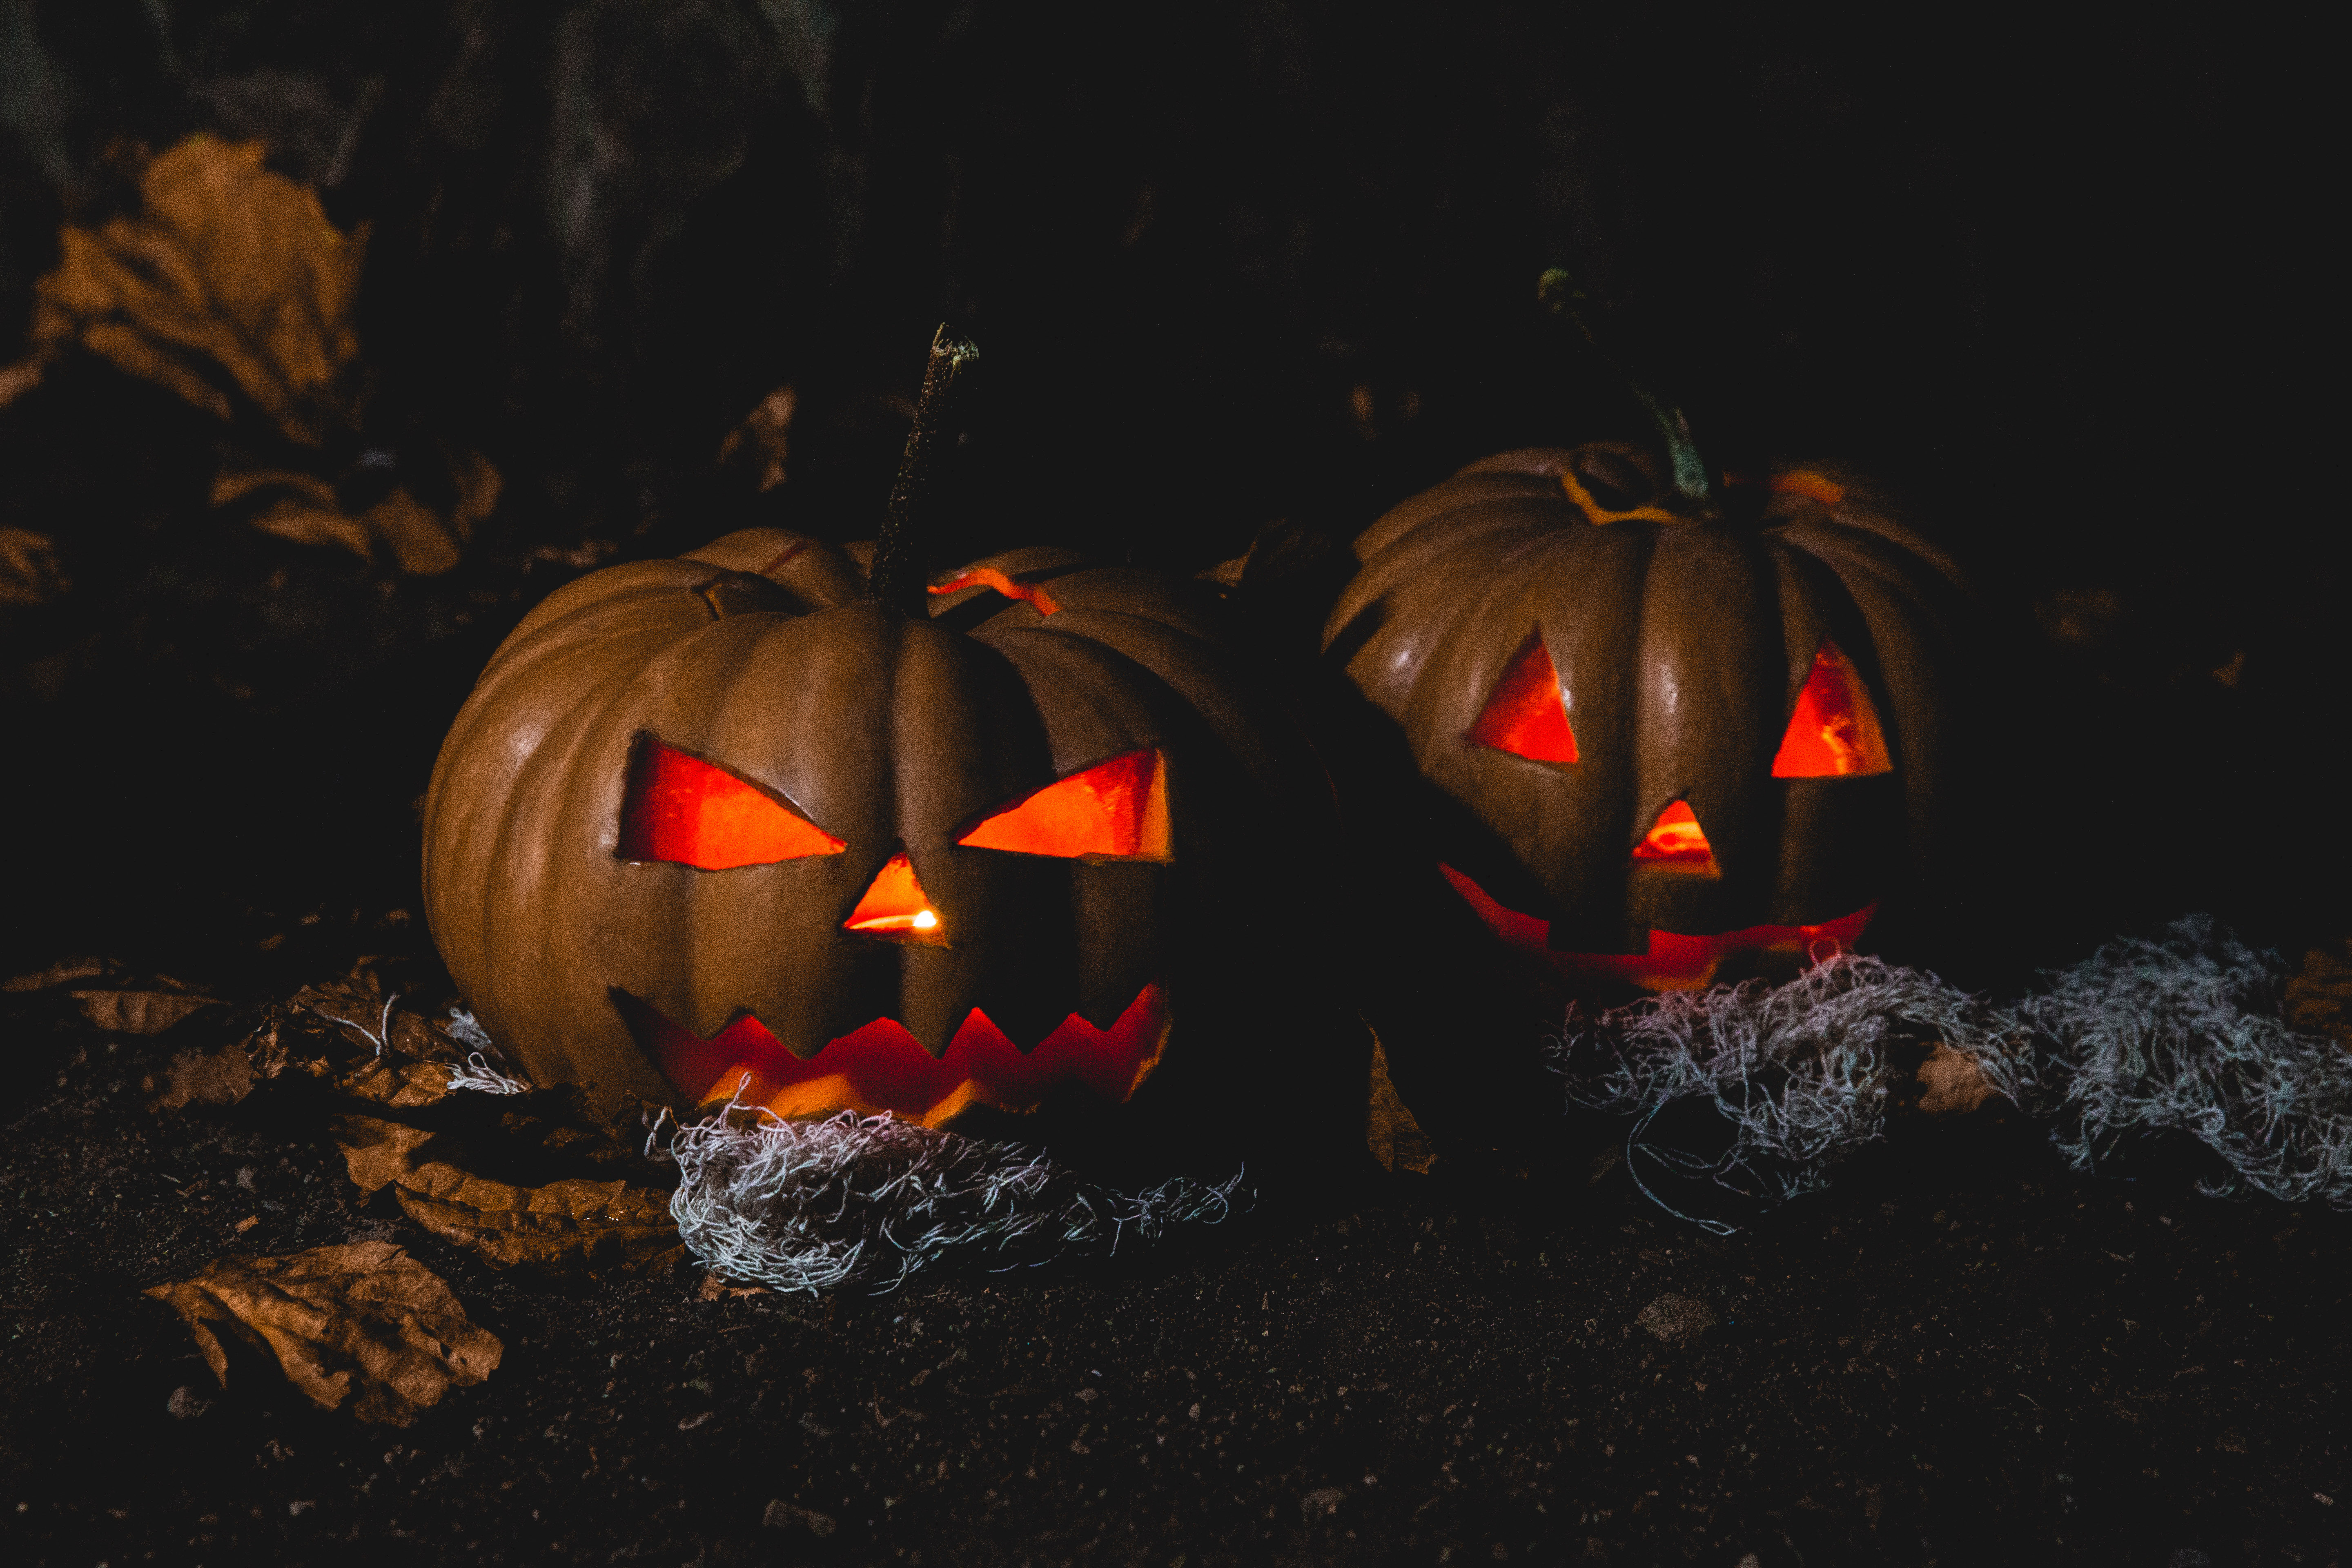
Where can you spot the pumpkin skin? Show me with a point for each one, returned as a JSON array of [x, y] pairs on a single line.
[[760, 657], [1683, 646]]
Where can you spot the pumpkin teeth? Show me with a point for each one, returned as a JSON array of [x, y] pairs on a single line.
[[881, 1066]]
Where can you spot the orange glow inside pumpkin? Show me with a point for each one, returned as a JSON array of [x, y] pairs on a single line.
[[1527, 715], [681, 810], [895, 906], [1675, 842], [1118, 809], [1672, 960], [1834, 731], [1032, 594], [881, 1066]]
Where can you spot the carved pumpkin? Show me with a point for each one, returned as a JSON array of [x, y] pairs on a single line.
[[1660, 733], [697, 823], [1025, 839]]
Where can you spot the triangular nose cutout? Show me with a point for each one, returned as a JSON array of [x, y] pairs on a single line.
[[1676, 843], [896, 909]]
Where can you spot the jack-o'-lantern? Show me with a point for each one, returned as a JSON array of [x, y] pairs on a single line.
[[736, 822], [1669, 732]]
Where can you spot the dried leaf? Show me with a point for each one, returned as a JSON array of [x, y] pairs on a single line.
[[29, 573], [16, 380], [138, 1012], [57, 974], [478, 487], [570, 1228], [306, 524], [222, 1076], [418, 542], [1951, 1083], [363, 1323], [763, 440], [573, 1228], [236, 484], [377, 1153], [312, 514], [228, 276], [1391, 1131], [2319, 997]]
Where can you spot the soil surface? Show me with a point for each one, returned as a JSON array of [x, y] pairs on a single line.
[[1962, 1354]]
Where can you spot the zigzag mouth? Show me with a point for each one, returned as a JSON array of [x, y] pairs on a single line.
[[881, 1066], [1670, 961]]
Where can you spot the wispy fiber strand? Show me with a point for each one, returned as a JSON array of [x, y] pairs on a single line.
[[810, 1205], [2180, 1033]]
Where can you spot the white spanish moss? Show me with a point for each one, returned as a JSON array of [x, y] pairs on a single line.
[[480, 1077], [810, 1205], [2181, 1033]]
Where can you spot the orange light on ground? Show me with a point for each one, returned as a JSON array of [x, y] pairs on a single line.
[[1525, 716], [895, 906], [1032, 594], [1673, 960], [1675, 842], [683, 810], [1834, 731], [1117, 808], [881, 1066]]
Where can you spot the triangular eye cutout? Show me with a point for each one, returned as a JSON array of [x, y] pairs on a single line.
[[1675, 842], [896, 907], [1834, 732], [1118, 809], [1525, 716], [681, 810]]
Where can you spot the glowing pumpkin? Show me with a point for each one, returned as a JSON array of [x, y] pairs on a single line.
[[744, 822], [1665, 730], [700, 827]]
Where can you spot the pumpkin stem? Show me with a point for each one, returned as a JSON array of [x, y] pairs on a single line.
[[900, 574], [1693, 479]]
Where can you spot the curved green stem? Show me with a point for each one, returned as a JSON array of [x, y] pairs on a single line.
[[1692, 478], [900, 577]]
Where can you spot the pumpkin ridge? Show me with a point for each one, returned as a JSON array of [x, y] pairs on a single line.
[[521, 881]]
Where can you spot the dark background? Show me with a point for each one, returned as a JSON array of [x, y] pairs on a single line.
[[2052, 277]]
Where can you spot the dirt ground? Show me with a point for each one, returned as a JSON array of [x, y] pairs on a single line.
[[1961, 1354]]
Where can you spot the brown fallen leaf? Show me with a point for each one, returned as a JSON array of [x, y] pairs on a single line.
[[305, 509], [377, 1153], [16, 380], [2319, 996], [478, 487], [1951, 1083], [138, 1012], [221, 1076], [228, 276], [58, 973], [763, 442], [415, 533], [1391, 1131], [573, 1228], [29, 573], [362, 1325]]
